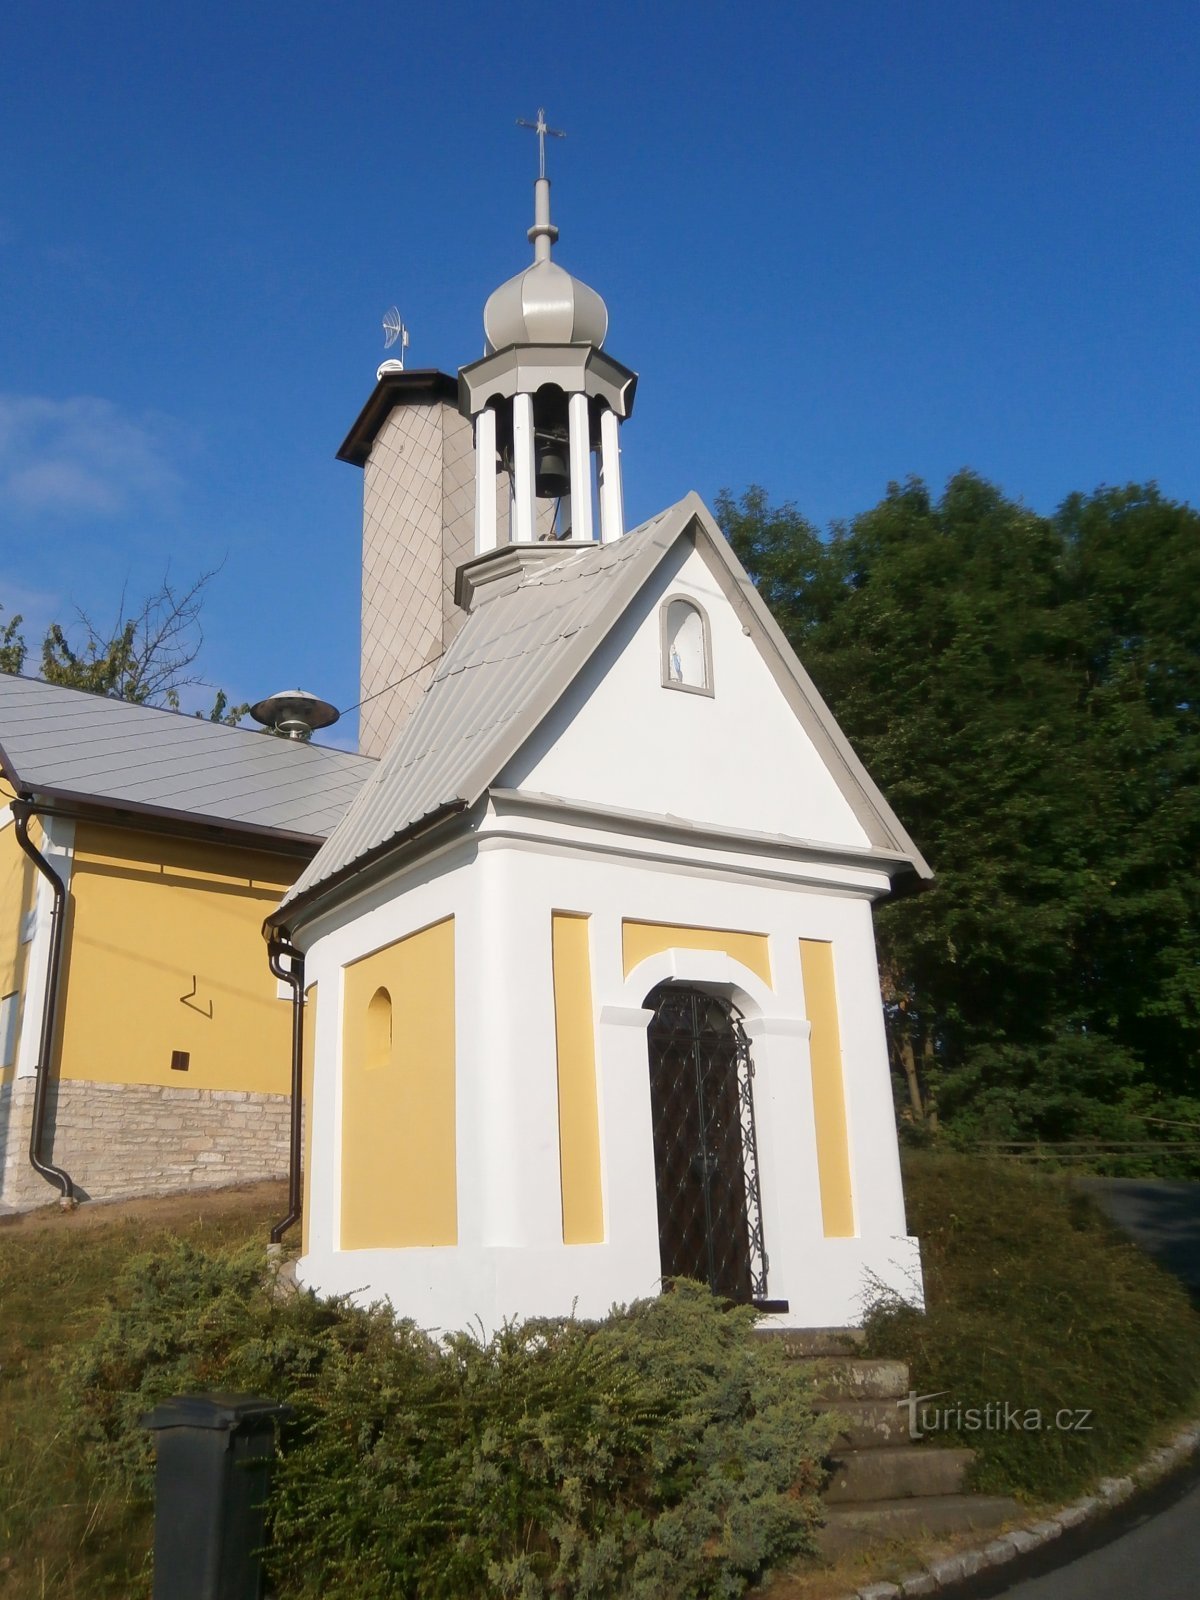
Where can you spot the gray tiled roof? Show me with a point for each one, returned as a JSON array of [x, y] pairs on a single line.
[[516, 655], [62, 743], [512, 659]]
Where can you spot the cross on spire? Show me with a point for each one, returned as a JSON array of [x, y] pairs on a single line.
[[539, 127]]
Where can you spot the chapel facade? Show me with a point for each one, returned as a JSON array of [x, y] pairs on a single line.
[[591, 994]]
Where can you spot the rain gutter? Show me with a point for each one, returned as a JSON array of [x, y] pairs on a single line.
[[365, 869], [22, 809], [176, 824]]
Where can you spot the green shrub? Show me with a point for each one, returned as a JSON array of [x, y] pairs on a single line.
[[1034, 1300], [662, 1452]]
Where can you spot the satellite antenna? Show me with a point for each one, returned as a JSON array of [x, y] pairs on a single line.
[[394, 332]]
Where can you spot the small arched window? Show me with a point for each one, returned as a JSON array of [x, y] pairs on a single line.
[[686, 648], [378, 1042]]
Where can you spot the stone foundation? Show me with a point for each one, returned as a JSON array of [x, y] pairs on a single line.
[[118, 1139]]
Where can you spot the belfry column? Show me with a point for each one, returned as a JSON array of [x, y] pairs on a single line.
[[612, 511], [581, 467], [486, 533], [522, 478]]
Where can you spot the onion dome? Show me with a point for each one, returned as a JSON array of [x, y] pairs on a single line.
[[544, 304]]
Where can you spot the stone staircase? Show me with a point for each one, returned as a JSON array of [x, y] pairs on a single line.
[[884, 1486]]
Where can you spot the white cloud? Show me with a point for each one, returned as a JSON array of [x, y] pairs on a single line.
[[83, 456]]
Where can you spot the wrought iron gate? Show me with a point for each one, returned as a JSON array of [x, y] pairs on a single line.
[[705, 1152]]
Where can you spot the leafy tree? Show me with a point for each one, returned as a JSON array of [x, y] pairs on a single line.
[[12, 645], [1134, 561], [1025, 691]]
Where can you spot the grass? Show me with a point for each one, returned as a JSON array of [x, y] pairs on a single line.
[[1036, 1302], [63, 1532]]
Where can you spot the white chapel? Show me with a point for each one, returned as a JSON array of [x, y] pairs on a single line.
[[591, 995]]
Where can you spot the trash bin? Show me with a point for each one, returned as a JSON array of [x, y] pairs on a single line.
[[214, 1457]]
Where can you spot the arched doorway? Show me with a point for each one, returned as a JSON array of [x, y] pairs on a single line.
[[705, 1151]]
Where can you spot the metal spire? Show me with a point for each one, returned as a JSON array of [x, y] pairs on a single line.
[[539, 127]]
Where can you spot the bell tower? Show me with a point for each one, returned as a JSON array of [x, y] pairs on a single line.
[[546, 402]]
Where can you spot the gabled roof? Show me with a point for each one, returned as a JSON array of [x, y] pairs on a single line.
[[516, 655], [65, 745]]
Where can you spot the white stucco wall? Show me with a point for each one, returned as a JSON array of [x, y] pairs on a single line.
[[502, 888], [737, 759]]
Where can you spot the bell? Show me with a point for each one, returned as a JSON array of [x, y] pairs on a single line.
[[552, 477]]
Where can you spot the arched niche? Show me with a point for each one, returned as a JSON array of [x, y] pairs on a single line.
[[377, 1039], [686, 646]]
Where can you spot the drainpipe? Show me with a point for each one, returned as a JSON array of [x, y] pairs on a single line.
[[22, 810], [292, 974]]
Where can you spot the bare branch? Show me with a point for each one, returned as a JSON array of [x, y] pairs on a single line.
[[147, 654]]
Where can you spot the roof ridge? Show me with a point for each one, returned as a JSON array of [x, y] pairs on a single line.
[[189, 719], [97, 753]]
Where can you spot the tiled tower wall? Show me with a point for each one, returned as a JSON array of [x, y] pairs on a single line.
[[402, 566], [458, 512], [418, 527]]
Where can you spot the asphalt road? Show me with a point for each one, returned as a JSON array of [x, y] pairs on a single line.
[[1149, 1546], [1164, 1218], [1159, 1556]]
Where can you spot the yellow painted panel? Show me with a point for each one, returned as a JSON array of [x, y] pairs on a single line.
[[642, 939], [18, 889], [578, 1113], [310, 1045], [829, 1090], [165, 953], [399, 1181]]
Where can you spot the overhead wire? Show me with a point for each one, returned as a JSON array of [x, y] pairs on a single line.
[[366, 699]]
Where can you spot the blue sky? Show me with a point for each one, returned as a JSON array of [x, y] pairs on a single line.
[[841, 243]]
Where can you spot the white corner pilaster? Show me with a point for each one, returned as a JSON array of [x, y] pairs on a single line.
[[627, 1145], [58, 846], [581, 468], [486, 536], [523, 518], [612, 514]]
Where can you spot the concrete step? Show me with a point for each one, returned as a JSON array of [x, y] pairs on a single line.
[[904, 1472], [856, 1377], [857, 1526], [869, 1424], [800, 1344]]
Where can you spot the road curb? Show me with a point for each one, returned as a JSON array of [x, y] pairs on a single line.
[[1020, 1541]]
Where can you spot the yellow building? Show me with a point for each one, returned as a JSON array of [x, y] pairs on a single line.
[[147, 847]]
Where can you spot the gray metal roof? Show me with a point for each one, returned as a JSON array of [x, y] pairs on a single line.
[[67, 745], [516, 655]]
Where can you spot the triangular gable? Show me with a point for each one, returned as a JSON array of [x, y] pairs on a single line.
[[879, 821], [509, 667], [729, 754]]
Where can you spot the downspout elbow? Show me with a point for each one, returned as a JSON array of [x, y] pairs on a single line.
[[22, 809]]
